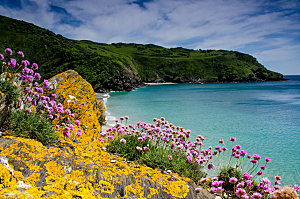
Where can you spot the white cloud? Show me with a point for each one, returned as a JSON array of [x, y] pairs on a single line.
[[264, 28]]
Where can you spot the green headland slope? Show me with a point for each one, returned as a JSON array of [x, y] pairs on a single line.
[[120, 66]]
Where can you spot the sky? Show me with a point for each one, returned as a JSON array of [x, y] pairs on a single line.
[[267, 29]]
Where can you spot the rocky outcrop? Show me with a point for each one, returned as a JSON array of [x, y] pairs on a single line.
[[81, 168]]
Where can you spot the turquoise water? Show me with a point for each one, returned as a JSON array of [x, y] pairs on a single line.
[[264, 116]]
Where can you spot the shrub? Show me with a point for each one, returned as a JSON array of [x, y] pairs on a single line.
[[33, 125], [226, 173], [11, 91]]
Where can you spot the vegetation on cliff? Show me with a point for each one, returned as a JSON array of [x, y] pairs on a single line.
[[125, 66]]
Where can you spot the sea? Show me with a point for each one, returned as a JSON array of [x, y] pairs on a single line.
[[263, 116]]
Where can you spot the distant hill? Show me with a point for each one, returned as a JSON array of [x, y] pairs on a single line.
[[126, 66]]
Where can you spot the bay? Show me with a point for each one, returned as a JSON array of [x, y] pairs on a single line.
[[263, 116]]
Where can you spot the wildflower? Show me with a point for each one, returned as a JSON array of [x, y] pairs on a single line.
[[243, 152], [100, 139], [1, 57], [190, 158], [249, 183], [240, 192], [68, 112], [210, 166], [277, 177], [297, 187], [50, 117], [67, 134], [28, 110], [170, 157], [139, 148], [29, 78], [263, 167], [198, 190], [29, 99], [253, 161], [46, 83], [259, 173], [246, 176], [233, 180], [13, 62], [256, 195], [277, 182], [37, 76], [20, 53], [268, 159], [123, 141], [221, 141], [238, 146], [249, 156], [79, 132], [224, 148], [8, 51], [145, 148], [33, 102], [77, 122], [233, 139], [25, 71], [202, 180], [35, 66], [140, 139], [54, 96], [67, 119], [256, 157]]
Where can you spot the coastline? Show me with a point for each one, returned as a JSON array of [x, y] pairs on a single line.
[[110, 119], [156, 84]]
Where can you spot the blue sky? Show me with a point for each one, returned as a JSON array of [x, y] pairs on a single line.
[[266, 29]]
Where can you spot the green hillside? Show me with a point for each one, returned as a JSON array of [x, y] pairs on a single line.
[[125, 66]]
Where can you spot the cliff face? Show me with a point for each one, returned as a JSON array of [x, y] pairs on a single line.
[[81, 168]]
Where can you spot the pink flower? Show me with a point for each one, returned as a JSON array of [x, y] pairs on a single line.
[[100, 139], [13, 62], [28, 110], [8, 51], [233, 139], [77, 122], [170, 157], [139, 148], [297, 187], [37, 76], [68, 112], [46, 83], [198, 190], [145, 148], [277, 177], [268, 159], [246, 176], [123, 141], [256, 157], [240, 192], [256, 195], [35, 66], [1, 57], [67, 119], [79, 132], [54, 96], [249, 156], [253, 161], [233, 180], [140, 139], [210, 166], [29, 99], [190, 158], [20, 53], [263, 167], [259, 173], [67, 134], [33, 102], [249, 183], [50, 117]]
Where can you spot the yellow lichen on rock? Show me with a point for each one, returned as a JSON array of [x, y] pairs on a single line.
[[80, 168]]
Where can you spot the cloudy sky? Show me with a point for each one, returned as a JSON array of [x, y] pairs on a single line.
[[266, 29]]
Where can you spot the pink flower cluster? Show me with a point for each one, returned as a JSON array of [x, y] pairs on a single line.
[[32, 93]]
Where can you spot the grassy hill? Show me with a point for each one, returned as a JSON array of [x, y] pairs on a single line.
[[125, 66]]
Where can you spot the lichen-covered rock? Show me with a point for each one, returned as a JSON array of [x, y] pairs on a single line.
[[81, 168], [78, 95]]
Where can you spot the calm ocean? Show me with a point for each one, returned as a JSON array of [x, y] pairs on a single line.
[[264, 116]]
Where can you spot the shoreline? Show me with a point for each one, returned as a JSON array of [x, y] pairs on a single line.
[[162, 83]]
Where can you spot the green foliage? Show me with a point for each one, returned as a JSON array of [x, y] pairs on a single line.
[[33, 125], [128, 150], [226, 173], [11, 91], [155, 156], [123, 66]]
